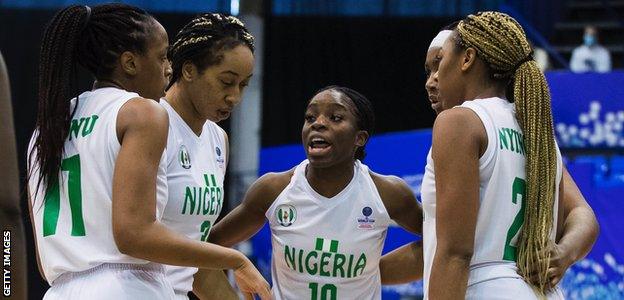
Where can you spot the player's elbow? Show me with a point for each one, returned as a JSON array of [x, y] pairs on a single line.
[[457, 253], [128, 239]]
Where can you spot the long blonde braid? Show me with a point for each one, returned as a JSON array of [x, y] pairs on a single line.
[[501, 42]]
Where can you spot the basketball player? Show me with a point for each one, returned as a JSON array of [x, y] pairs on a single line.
[[212, 59], [329, 215], [473, 242], [96, 177], [10, 212], [580, 228]]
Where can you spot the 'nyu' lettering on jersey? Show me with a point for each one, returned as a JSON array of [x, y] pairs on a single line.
[[195, 172], [501, 195], [327, 248], [73, 216]]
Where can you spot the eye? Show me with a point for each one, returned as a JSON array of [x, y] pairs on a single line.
[[309, 118], [244, 84], [227, 83], [337, 118]]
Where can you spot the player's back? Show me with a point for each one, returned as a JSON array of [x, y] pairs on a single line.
[[502, 186], [73, 217]]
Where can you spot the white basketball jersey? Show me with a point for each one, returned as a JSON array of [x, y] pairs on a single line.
[[327, 248], [74, 222], [195, 172], [501, 196]]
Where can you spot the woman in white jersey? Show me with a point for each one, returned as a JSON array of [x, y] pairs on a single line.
[[493, 175], [580, 228], [329, 215], [96, 175], [212, 60]]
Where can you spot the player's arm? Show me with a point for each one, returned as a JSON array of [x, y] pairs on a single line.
[[405, 263], [248, 218], [458, 135], [579, 231], [142, 127]]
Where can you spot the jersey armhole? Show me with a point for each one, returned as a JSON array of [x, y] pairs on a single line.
[[490, 132]]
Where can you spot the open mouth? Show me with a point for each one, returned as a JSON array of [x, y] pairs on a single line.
[[318, 146]]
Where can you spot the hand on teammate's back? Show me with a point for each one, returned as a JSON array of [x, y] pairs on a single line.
[[250, 281], [559, 263]]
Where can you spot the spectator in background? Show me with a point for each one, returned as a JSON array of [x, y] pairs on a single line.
[[591, 56]]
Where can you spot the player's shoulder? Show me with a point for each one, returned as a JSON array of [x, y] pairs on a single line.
[[390, 186], [274, 182]]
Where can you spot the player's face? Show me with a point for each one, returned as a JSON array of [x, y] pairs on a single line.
[[330, 134], [219, 88], [431, 68], [449, 76], [155, 69]]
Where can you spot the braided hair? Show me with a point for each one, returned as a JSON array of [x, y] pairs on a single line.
[[502, 44], [202, 41], [93, 38], [364, 112]]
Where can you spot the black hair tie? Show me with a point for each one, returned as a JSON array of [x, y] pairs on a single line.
[[527, 58]]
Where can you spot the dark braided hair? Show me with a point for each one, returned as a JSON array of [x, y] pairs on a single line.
[[94, 39], [364, 112], [202, 41]]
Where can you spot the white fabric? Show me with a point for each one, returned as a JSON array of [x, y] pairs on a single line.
[[196, 192], [93, 150], [338, 227], [439, 40], [501, 167], [113, 281], [590, 59]]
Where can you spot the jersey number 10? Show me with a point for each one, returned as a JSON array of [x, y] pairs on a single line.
[[52, 201]]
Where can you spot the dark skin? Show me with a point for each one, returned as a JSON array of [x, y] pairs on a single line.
[[142, 127], [461, 75], [330, 170], [211, 94], [10, 212], [580, 227]]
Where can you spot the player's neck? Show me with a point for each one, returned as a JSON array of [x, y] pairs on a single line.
[[329, 182], [175, 97]]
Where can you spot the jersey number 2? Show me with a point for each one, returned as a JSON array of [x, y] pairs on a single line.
[[52, 202], [518, 193]]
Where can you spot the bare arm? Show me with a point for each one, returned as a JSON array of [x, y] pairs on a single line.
[[10, 212], [247, 219], [405, 263], [579, 231], [455, 151]]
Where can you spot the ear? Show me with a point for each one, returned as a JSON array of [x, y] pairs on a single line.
[[361, 138], [189, 71], [469, 58], [129, 63]]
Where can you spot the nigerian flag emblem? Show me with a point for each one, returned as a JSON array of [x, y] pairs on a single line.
[[184, 157], [286, 215]]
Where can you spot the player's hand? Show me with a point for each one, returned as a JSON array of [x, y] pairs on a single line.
[[559, 262], [250, 281]]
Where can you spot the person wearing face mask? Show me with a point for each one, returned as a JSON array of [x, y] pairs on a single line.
[[591, 56]]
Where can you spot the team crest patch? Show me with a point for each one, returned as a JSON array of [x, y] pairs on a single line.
[[184, 157], [286, 215], [367, 222]]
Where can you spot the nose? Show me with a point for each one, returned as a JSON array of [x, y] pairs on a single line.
[[319, 123], [432, 82], [234, 98], [168, 70]]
